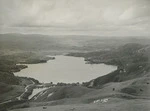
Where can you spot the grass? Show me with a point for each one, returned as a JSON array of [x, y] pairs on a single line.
[[113, 105]]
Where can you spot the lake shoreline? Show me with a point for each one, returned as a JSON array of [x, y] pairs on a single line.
[[66, 65], [30, 90]]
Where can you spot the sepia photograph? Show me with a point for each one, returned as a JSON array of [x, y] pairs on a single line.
[[74, 55]]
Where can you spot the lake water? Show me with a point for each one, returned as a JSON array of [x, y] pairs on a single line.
[[66, 69]]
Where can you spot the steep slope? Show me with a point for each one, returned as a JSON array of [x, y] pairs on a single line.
[[62, 92]]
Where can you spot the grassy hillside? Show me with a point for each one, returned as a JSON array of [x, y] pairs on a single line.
[[129, 95], [120, 105], [4, 88], [10, 85], [61, 92], [8, 64]]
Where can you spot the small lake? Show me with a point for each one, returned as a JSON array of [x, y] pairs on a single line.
[[66, 69]]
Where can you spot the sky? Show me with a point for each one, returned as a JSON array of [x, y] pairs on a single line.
[[76, 17]]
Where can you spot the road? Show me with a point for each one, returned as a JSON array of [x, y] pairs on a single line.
[[19, 97], [26, 89]]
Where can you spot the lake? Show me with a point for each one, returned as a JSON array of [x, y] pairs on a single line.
[[66, 69]]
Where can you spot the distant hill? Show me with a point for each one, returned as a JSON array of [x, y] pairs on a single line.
[[37, 42]]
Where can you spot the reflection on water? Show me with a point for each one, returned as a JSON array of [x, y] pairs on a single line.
[[66, 69]]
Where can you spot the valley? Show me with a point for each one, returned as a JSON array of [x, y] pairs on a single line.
[[125, 88]]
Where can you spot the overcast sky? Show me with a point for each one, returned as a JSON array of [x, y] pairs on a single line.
[[87, 17]]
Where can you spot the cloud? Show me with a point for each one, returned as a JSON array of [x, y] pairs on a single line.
[[105, 16]]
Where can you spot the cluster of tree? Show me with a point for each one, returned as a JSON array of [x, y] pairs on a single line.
[[67, 84]]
